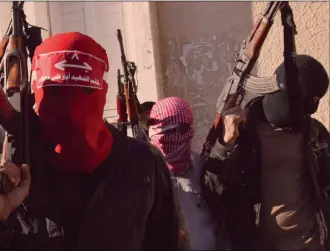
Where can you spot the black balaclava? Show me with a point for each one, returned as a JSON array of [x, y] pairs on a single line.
[[313, 81]]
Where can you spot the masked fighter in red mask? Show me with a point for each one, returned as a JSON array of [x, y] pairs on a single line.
[[100, 189]]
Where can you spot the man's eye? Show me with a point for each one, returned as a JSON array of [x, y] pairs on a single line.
[[182, 128], [315, 99]]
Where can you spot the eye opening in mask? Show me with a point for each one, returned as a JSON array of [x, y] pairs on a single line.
[[89, 90], [180, 128], [315, 99]]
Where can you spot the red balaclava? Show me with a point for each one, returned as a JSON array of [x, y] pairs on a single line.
[[68, 81], [166, 115]]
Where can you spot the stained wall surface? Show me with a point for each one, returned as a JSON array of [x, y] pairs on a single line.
[[198, 42]]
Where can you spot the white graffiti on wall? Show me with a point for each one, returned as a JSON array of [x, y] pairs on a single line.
[[198, 57]]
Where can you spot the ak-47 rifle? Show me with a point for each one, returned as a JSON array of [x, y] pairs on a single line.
[[19, 42], [121, 106], [17, 86], [291, 70], [143, 118], [15, 101], [241, 88], [134, 110], [15, 98]]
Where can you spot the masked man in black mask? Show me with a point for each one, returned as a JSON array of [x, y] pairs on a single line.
[[269, 186]]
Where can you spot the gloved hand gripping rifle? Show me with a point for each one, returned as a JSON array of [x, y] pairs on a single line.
[[241, 87], [135, 112]]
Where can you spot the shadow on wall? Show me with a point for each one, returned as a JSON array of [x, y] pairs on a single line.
[[199, 41]]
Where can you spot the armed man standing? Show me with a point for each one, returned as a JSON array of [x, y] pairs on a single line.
[[92, 187], [269, 188]]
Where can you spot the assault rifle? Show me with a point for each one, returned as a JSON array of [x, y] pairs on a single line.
[[134, 110], [19, 42], [121, 106], [143, 118], [241, 88]]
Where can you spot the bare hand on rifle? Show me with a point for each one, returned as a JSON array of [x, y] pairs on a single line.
[[17, 183], [231, 119]]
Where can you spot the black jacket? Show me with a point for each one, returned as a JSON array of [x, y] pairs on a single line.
[[126, 204], [231, 183]]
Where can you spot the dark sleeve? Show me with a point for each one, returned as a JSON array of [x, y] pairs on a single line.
[[163, 223], [215, 183], [215, 174], [323, 150], [4, 236]]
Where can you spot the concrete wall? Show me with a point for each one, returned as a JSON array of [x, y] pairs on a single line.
[[199, 41], [198, 44]]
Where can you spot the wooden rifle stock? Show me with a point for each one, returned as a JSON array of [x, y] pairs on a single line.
[[260, 30], [14, 74], [253, 50]]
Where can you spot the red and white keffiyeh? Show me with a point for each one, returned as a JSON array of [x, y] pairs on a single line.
[[166, 115]]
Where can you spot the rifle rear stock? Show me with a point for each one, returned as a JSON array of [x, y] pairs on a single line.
[[127, 100], [14, 67], [14, 75], [254, 47]]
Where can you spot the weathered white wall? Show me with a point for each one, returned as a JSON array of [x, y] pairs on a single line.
[[198, 44], [100, 20]]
